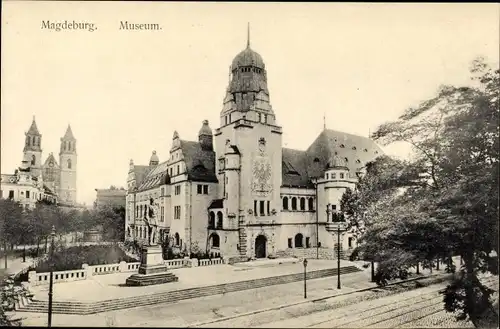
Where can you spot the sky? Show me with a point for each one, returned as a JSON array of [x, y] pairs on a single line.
[[349, 66]]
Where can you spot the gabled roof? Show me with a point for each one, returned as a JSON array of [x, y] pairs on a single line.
[[355, 150], [156, 176], [299, 167], [49, 159], [200, 163]]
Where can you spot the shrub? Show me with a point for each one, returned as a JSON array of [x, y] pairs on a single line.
[[72, 258]]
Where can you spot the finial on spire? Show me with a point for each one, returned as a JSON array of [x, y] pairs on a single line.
[[324, 121], [33, 117], [369, 133], [248, 35]]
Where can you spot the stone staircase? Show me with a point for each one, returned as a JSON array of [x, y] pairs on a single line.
[[83, 308]]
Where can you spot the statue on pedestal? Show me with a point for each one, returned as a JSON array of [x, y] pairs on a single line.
[[150, 219]]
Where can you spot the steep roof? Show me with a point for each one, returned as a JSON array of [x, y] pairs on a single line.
[[69, 133], [140, 173], [200, 163], [33, 129], [294, 168], [156, 176], [299, 167]]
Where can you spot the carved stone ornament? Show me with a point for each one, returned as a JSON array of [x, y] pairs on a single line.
[[250, 211], [273, 211]]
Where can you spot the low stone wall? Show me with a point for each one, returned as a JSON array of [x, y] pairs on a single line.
[[311, 253], [87, 271]]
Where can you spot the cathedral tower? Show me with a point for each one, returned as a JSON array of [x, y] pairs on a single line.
[[68, 162], [32, 149]]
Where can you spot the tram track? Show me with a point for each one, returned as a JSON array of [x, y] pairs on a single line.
[[390, 315]]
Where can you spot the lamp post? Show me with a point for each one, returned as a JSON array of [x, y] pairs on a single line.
[[338, 255], [51, 282], [305, 284]]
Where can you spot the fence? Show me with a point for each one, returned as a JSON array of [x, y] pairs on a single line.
[[87, 271]]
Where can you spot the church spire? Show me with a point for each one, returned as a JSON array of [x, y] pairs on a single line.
[[248, 35]]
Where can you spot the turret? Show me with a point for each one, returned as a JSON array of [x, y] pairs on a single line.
[[154, 160], [205, 137]]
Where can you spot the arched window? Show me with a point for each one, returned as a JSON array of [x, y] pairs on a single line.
[[211, 220], [285, 203], [299, 241], [311, 203], [140, 233], [215, 240], [33, 141], [33, 160], [140, 210], [69, 163], [177, 239], [219, 219], [302, 203], [294, 203]]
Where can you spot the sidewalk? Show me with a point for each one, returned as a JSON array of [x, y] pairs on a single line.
[[16, 265]]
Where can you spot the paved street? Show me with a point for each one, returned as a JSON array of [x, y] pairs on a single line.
[[208, 308], [412, 309]]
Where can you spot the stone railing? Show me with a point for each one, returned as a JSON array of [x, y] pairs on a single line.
[[87, 271], [213, 261]]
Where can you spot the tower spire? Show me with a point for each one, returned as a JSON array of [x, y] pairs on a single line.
[[248, 35]]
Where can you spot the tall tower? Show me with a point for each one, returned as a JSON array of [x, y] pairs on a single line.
[[32, 149], [248, 127], [68, 162]]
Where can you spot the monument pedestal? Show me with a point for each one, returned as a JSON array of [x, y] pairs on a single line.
[[152, 270]]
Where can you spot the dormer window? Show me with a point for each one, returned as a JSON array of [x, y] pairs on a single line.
[[326, 175], [358, 161], [365, 150], [342, 145], [354, 148], [346, 159], [316, 160], [376, 152], [333, 176]]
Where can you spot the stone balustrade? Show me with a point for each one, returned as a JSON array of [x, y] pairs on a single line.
[[87, 271]]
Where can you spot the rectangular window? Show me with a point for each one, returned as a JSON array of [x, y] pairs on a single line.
[[258, 117], [268, 208], [226, 118], [308, 243], [349, 241], [334, 207], [230, 118], [205, 189], [178, 169], [289, 242], [177, 189], [341, 176], [199, 189], [162, 214], [255, 207], [27, 194], [333, 176], [11, 194], [177, 212], [265, 118], [1, 193], [262, 205], [162, 191], [171, 170]]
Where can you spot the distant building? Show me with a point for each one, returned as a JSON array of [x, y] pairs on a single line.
[[114, 197], [34, 181]]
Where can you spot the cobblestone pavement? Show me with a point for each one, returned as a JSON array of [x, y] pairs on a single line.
[[420, 308]]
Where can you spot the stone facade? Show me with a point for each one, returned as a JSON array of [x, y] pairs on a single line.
[[114, 197], [35, 181], [236, 191]]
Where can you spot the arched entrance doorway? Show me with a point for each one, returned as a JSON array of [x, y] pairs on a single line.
[[260, 246]]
